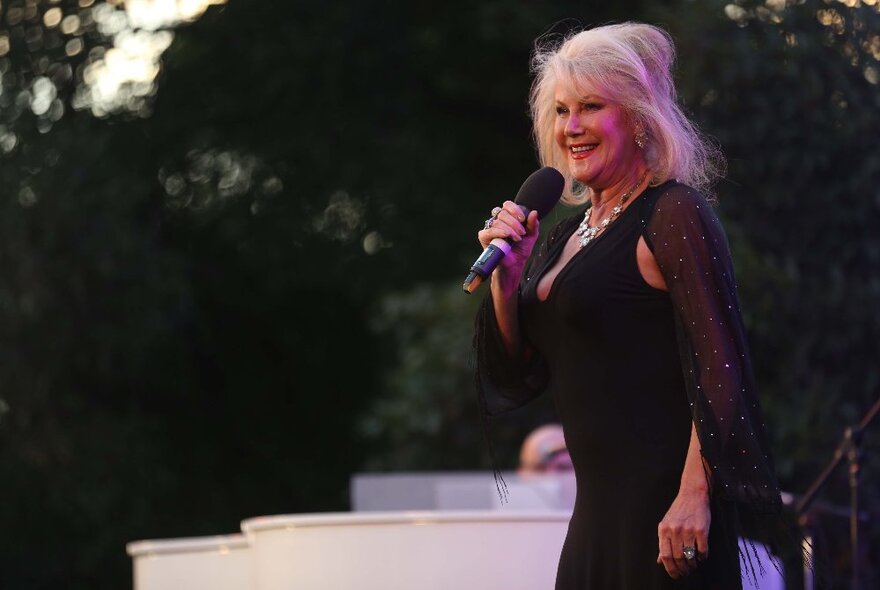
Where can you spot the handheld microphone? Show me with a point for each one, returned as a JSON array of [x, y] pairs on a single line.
[[540, 191]]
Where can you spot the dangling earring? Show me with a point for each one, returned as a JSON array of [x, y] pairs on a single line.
[[641, 139]]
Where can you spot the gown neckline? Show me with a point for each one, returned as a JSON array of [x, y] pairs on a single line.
[[551, 260]]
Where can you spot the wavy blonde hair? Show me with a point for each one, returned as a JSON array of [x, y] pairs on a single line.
[[629, 64]]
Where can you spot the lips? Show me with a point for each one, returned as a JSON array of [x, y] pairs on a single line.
[[582, 150]]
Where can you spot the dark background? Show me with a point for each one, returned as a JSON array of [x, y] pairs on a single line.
[[226, 295]]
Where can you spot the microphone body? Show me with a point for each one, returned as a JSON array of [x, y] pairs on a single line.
[[488, 260], [540, 191]]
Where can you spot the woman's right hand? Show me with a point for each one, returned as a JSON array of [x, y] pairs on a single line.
[[521, 232]]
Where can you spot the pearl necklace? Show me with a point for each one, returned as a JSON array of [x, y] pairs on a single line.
[[587, 233]]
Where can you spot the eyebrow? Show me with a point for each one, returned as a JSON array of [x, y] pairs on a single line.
[[587, 98]]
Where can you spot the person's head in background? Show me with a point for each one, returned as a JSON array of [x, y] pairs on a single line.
[[544, 451]]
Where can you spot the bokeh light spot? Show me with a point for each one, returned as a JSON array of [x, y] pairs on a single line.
[[272, 186], [43, 92], [74, 47], [27, 197], [737, 14], [14, 15], [8, 140], [70, 25], [373, 242], [342, 218], [52, 17]]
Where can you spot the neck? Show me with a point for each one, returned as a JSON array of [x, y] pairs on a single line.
[[608, 195]]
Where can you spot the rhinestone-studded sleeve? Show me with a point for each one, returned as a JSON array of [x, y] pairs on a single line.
[[692, 251]]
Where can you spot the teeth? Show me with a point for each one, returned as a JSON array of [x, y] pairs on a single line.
[[577, 149]]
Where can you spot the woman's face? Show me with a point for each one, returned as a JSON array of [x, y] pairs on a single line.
[[596, 137]]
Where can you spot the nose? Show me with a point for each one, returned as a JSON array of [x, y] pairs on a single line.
[[573, 126]]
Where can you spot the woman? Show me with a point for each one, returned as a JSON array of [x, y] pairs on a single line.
[[628, 315]]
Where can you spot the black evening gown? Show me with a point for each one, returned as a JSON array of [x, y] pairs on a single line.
[[630, 368]]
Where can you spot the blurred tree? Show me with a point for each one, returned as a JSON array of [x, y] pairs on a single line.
[[796, 109], [790, 91], [426, 418], [795, 106], [181, 290]]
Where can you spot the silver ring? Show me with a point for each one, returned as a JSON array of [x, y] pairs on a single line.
[[689, 552], [488, 223], [496, 211]]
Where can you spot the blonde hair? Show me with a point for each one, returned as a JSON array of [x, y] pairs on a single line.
[[630, 64]]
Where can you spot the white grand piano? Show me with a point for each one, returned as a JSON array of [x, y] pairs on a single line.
[[431, 531]]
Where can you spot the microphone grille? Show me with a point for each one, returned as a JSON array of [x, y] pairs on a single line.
[[541, 190]]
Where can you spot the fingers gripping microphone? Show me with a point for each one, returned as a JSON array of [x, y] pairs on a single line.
[[540, 191]]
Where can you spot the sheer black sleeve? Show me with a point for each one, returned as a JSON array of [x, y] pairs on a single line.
[[505, 383], [691, 249]]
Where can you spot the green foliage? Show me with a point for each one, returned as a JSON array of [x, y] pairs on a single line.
[[795, 107], [431, 406], [427, 417]]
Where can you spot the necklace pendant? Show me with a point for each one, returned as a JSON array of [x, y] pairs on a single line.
[[587, 233], [584, 225]]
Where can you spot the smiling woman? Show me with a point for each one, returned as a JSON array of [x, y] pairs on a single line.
[[596, 134], [627, 68], [629, 317]]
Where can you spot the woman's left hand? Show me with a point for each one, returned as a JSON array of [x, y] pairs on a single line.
[[686, 524]]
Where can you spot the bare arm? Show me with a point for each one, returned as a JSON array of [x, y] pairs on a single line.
[[507, 316], [523, 232], [687, 521], [693, 255]]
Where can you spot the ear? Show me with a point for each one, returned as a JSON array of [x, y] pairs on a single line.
[[637, 126], [640, 137]]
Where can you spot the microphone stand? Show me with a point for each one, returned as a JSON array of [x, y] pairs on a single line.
[[849, 448]]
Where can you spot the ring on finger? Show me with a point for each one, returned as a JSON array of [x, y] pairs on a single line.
[[689, 552], [496, 211], [489, 223]]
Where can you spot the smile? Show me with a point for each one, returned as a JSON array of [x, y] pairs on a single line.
[[582, 151]]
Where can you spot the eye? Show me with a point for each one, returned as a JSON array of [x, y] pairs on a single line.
[[561, 110], [592, 106]]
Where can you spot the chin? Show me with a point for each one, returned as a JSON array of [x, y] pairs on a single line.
[[585, 179], [582, 174]]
